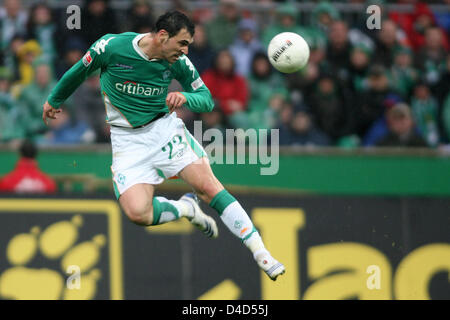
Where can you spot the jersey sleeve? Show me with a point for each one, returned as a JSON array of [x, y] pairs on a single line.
[[95, 58], [198, 96]]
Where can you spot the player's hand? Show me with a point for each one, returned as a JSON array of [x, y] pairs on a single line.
[[175, 100], [49, 112]]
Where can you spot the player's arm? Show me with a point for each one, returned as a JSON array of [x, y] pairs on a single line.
[[94, 59], [196, 96]]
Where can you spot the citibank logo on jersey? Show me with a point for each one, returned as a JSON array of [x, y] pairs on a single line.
[[134, 88]]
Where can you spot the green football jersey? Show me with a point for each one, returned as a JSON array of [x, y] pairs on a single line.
[[134, 87]]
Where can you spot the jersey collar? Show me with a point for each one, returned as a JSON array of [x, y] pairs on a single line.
[[138, 50]]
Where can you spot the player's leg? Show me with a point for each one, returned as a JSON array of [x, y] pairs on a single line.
[[136, 202], [134, 178], [142, 208], [169, 157], [200, 176]]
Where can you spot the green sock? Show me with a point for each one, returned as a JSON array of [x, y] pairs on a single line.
[[165, 210]]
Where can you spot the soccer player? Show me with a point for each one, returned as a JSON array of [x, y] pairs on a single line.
[[149, 142]]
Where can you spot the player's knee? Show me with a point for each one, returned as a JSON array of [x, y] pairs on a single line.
[[210, 187], [140, 215]]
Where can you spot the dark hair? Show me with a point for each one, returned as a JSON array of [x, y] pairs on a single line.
[[173, 22], [28, 149], [31, 24], [260, 55], [215, 63]]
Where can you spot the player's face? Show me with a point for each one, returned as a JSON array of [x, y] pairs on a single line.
[[177, 45]]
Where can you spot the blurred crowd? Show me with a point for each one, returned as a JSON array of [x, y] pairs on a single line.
[[362, 87]]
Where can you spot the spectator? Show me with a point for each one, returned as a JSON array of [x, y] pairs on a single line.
[[339, 49], [328, 16], [200, 52], [66, 129], [229, 89], [72, 52], [27, 177], [98, 20], [379, 128], [91, 108], [267, 93], [416, 23], [304, 133], [442, 88], [347, 54], [442, 94], [443, 18], [359, 65], [425, 112], [11, 113], [179, 5], [202, 15], [323, 16], [286, 16], [331, 107], [387, 44], [222, 29], [11, 56], [369, 106], [139, 17], [41, 27], [431, 57], [445, 118], [245, 46], [317, 53], [401, 129], [213, 120], [34, 95], [403, 74], [285, 118], [301, 84], [12, 22], [27, 54]]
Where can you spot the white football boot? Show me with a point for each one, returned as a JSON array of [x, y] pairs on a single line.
[[202, 221], [268, 264]]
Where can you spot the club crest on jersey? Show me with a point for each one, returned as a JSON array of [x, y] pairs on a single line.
[[166, 74], [87, 59]]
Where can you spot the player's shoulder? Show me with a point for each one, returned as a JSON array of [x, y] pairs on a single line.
[[185, 71], [183, 67], [183, 63], [118, 37], [112, 41]]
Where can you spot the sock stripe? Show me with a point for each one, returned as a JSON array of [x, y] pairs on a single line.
[[249, 235], [163, 205], [156, 211], [221, 200]]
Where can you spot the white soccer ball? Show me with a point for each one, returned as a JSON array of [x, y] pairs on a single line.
[[288, 52]]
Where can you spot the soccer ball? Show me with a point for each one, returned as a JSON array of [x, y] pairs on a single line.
[[288, 52]]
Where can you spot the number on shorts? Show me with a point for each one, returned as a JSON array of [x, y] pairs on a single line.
[[176, 140]]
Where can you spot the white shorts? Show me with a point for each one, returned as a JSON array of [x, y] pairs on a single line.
[[151, 154]]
